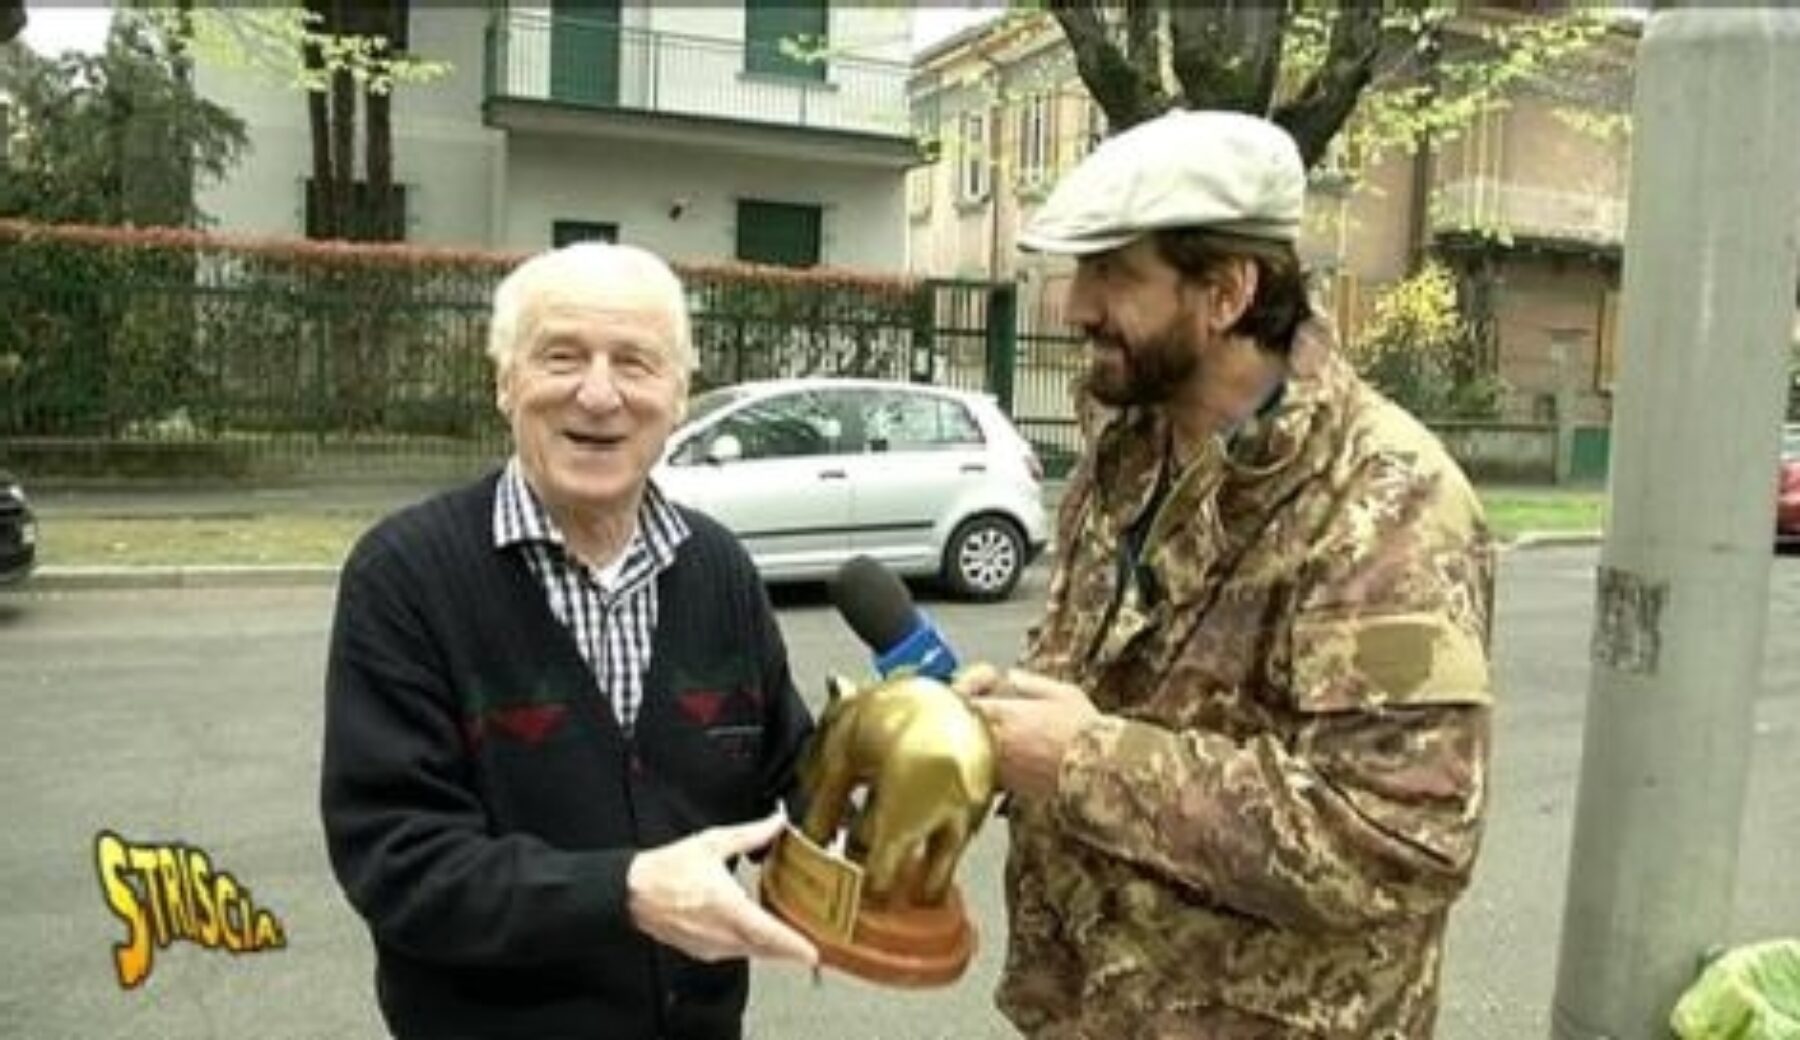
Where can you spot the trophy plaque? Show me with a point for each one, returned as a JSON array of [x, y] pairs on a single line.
[[898, 778]]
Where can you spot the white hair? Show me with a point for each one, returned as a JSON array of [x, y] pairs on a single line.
[[587, 272]]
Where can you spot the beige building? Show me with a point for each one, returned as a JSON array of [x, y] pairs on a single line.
[[1527, 203]]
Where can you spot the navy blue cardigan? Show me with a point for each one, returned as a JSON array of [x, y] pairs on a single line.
[[482, 805]]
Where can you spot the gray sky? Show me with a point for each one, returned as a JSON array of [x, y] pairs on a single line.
[[934, 21], [53, 30]]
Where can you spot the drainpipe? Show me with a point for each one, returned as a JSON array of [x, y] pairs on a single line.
[[998, 68]]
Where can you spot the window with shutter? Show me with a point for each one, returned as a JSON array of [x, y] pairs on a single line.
[[799, 24], [778, 233]]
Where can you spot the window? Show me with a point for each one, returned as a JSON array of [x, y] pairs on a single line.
[[364, 223], [916, 422], [569, 232], [972, 185], [585, 44], [1037, 137], [919, 190], [785, 427], [773, 27], [778, 233], [1094, 132]]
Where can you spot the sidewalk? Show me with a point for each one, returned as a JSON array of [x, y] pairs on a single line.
[[136, 502], [351, 499], [369, 499]]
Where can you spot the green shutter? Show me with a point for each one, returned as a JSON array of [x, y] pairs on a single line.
[[768, 22], [778, 233], [584, 51]]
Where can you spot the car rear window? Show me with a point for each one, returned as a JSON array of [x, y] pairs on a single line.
[[918, 422]]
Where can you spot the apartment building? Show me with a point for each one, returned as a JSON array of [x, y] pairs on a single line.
[[698, 131], [1527, 203]]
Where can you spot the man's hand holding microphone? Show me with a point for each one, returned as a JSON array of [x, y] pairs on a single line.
[[1031, 718]]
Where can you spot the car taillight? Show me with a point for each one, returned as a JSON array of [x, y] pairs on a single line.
[[1790, 477], [1032, 465]]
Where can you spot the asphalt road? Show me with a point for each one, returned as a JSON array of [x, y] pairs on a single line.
[[193, 716]]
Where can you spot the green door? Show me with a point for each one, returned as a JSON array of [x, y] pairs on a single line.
[[584, 51]]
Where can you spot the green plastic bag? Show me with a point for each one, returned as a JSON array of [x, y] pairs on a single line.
[[1750, 993]]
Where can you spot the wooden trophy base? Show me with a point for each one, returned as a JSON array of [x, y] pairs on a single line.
[[907, 946], [820, 895]]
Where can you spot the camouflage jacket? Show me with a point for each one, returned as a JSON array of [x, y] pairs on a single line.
[[1262, 834]]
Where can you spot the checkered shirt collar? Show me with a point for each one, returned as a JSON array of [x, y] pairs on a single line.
[[520, 518]]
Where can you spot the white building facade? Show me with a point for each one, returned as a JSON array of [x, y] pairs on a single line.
[[701, 132]]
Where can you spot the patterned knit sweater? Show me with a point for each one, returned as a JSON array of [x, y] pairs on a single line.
[[482, 805]]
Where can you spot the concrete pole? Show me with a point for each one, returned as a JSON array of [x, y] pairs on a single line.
[[1710, 267]]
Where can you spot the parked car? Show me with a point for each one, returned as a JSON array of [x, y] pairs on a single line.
[[933, 482], [1787, 499], [18, 532]]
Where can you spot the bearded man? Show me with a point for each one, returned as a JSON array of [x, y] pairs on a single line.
[[1247, 745]]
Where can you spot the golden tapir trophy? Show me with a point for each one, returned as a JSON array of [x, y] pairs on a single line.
[[887, 910]]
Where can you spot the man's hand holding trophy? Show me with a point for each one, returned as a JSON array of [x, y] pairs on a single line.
[[898, 778]]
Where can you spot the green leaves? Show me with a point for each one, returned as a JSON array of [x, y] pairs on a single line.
[[269, 40], [1436, 72], [117, 137], [1417, 349]]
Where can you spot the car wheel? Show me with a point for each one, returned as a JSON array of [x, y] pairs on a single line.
[[984, 558]]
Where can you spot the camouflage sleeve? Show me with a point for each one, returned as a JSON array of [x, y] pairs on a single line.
[[1369, 809]]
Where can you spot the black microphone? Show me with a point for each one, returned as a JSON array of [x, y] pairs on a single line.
[[880, 611]]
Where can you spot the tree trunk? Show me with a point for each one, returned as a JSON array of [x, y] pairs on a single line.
[[318, 118], [183, 208], [1127, 93], [387, 217], [1223, 56], [1330, 95], [378, 153], [343, 154], [1229, 56], [331, 115], [1424, 181]]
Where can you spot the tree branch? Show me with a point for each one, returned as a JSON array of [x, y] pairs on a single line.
[[1330, 95], [1227, 56], [1143, 48], [1128, 95]]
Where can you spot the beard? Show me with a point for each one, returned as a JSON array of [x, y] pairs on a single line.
[[1123, 375]]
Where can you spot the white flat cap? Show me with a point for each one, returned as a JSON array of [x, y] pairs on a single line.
[[1223, 170]]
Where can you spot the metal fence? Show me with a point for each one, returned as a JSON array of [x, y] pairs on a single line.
[[594, 63], [250, 366]]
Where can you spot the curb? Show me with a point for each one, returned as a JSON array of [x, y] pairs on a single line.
[[229, 576], [1555, 539], [77, 579]]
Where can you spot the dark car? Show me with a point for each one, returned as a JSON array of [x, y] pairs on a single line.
[[18, 532], [1787, 500]]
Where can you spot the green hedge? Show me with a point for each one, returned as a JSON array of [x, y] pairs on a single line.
[[170, 335]]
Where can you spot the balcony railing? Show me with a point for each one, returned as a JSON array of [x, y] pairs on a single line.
[[602, 65], [1483, 203]]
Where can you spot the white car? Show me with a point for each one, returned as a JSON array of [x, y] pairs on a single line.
[[807, 473]]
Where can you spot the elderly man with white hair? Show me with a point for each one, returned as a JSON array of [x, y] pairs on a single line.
[[558, 706]]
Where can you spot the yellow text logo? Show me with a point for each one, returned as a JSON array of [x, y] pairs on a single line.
[[165, 892]]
